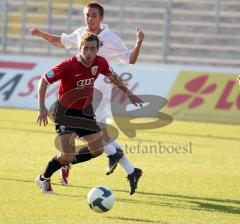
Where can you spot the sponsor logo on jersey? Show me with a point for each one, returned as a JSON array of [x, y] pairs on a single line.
[[50, 74], [78, 74], [85, 82], [94, 70]]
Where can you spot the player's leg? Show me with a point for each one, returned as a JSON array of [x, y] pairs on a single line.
[[113, 150], [92, 150], [81, 156], [66, 156], [114, 154], [124, 162], [133, 174], [102, 105], [103, 113], [89, 135], [95, 144], [114, 147], [85, 154]]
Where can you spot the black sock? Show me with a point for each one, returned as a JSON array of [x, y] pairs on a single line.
[[52, 167], [83, 156]]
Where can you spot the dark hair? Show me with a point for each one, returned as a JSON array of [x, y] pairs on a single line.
[[96, 5], [89, 37]]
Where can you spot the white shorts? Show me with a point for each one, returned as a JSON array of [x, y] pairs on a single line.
[[103, 111]]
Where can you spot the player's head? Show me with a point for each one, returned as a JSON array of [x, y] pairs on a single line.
[[89, 46], [93, 15]]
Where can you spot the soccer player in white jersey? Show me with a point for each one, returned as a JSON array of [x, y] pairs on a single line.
[[114, 50]]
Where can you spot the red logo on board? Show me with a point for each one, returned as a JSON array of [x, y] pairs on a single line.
[[196, 91]]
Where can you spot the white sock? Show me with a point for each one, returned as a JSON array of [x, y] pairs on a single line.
[[127, 166], [116, 145], [124, 162], [110, 149]]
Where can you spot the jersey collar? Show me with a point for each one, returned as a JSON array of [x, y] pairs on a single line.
[[79, 60], [104, 28]]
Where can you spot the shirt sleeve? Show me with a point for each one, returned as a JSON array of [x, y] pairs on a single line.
[[71, 40], [106, 70], [122, 52], [56, 73]]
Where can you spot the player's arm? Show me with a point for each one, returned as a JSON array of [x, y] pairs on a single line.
[[53, 75], [52, 39], [42, 110], [238, 78], [135, 51], [115, 79]]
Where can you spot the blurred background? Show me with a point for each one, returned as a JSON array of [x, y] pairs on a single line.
[[204, 32]]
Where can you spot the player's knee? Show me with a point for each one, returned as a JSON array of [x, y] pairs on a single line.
[[97, 152], [66, 158]]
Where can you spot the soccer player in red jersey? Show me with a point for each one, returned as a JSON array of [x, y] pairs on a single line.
[[115, 51], [77, 76]]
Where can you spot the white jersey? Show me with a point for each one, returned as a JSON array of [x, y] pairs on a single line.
[[113, 49]]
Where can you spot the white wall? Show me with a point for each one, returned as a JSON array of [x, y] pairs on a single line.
[[18, 81]]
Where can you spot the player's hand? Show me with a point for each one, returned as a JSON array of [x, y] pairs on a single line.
[[42, 117], [35, 31], [135, 100], [139, 36]]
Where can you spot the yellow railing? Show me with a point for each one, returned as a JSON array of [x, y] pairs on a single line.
[[36, 13]]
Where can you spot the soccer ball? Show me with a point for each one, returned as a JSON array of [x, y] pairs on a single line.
[[100, 199]]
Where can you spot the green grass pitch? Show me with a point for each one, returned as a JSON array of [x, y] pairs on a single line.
[[200, 185]]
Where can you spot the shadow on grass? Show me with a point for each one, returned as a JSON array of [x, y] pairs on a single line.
[[219, 208], [136, 220], [188, 205], [190, 197], [171, 201]]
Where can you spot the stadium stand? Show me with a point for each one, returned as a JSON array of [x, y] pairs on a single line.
[[176, 31], [204, 32]]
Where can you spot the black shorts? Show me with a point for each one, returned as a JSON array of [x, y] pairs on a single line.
[[80, 122]]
